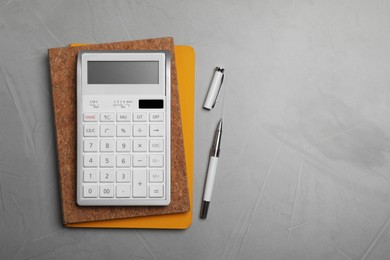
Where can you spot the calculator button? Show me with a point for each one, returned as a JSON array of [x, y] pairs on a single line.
[[140, 130], [123, 191], [90, 117], [139, 116], [90, 145], [106, 191], [156, 160], [107, 130], [107, 175], [123, 117], [139, 145], [90, 175], [157, 130], [90, 130], [156, 191], [123, 130], [123, 145], [156, 145], [90, 160], [156, 175], [156, 117], [139, 183], [90, 191], [139, 160], [107, 117], [107, 160], [123, 160], [123, 176], [107, 145]]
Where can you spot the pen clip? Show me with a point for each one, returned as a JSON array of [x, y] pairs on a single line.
[[219, 90]]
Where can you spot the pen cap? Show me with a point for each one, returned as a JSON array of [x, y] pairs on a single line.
[[215, 88]]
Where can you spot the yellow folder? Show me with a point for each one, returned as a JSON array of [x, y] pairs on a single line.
[[185, 64]]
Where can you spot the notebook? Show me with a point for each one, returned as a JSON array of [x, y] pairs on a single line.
[[185, 62], [63, 76]]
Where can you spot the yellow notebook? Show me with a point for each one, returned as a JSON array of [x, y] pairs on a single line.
[[185, 62]]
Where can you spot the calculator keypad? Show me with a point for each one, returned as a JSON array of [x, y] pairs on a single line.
[[123, 155]]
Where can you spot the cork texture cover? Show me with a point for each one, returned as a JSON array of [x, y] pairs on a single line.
[[63, 78]]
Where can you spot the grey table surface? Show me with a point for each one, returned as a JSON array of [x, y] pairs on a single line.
[[304, 168]]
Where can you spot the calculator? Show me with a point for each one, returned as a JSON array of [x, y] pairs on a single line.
[[123, 128]]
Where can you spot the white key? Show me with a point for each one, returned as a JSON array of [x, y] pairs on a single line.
[[107, 130], [139, 160], [123, 117], [156, 175], [90, 145], [90, 117], [156, 130], [123, 176], [123, 160], [123, 145], [139, 145], [107, 160], [123, 130], [90, 175], [156, 117], [107, 145], [90, 191], [90, 160], [139, 183], [107, 175], [90, 130], [107, 117], [140, 130], [156, 191], [139, 116], [156, 160], [106, 191], [156, 145], [123, 191]]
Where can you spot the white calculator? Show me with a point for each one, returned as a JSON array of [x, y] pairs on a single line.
[[123, 128]]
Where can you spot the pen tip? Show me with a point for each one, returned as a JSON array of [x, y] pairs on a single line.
[[220, 124]]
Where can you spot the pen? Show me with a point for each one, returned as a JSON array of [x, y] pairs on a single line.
[[211, 171]]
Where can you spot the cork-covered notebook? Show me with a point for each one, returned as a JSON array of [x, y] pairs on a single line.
[[63, 78]]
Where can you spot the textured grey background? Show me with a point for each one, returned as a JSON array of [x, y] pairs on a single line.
[[304, 172]]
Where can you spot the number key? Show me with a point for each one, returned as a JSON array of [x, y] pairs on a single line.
[[90, 175], [123, 176], [90, 145], [107, 145], [106, 191], [123, 145], [90, 160], [107, 160], [107, 175], [90, 191], [123, 160]]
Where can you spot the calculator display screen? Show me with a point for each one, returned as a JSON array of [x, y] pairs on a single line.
[[123, 72]]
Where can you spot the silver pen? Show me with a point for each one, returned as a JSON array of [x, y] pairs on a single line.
[[212, 170]]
